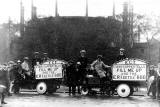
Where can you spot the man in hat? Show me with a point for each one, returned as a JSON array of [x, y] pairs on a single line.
[[98, 66], [71, 77], [152, 81], [18, 77], [121, 55], [36, 60], [45, 57], [82, 64], [25, 67], [10, 68], [4, 81]]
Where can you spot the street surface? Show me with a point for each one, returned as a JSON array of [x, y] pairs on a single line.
[[32, 99]]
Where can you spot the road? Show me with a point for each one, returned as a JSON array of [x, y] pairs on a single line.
[[32, 99]]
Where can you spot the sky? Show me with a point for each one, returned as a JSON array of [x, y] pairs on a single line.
[[11, 8]]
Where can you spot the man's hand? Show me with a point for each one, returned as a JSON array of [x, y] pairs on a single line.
[[92, 68], [108, 66], [78, 63]]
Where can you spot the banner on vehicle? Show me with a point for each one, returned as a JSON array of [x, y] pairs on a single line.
[[130, 70], [48, 71]]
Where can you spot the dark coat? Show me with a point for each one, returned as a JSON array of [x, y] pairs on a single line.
[[4, 77], [121, 57], [82, 67], [83, 61], [35, 60], [71, 75]]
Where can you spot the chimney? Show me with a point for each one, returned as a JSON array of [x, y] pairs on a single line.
[[86, 8], [56, 9], [33, 11], [113, 9], [21, 19]]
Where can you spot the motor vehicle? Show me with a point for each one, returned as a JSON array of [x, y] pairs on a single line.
[[46, 77], [125, 77]]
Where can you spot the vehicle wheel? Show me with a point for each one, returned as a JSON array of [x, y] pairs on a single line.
[[41, 87], [123, 90], [84, 91]]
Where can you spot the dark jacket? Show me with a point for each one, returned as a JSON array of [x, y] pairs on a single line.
[[83, 61], [4, 77], [121, 57], [35, 60], [71, 75]]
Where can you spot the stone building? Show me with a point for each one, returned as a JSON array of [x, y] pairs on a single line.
[[149, 51]]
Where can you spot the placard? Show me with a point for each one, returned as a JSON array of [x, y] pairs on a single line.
[[130, 70], [48, 71]]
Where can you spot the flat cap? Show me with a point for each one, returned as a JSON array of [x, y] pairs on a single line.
[[83, 51]]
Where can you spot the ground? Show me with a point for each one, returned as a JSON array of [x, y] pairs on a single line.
[[62, 99]]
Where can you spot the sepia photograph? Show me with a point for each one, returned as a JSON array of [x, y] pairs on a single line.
[[79, 53]]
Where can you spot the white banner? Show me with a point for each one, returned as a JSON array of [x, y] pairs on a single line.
[[130, 70], [47, 71]]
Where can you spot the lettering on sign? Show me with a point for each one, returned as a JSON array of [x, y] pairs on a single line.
[[47, 71], [130, 70]]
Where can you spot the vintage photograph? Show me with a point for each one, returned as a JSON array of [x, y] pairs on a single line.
[[79, 53]]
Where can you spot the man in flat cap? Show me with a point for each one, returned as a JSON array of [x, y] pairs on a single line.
[[121, 55], [36, 60], [71, 77], [82, 64], [45, 57], [26, 67], [98, 66]]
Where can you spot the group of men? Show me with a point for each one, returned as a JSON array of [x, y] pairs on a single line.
[[16, 71], [76, 72], [25, 70]]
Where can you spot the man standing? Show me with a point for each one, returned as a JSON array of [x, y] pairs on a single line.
[[45, 57], [4, 81], [82, 64], [152, 81], [25, 67], [71, 77], [36, 60], [10, 68], [98, 65], [19, 76], [121, 55]]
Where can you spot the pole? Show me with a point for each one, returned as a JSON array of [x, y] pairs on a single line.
[[86, 8], [9, 39], [56, 8], [114, 9], [21, 19]]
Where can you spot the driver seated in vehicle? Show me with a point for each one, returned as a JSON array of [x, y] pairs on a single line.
[[25, 67], [98, 66]]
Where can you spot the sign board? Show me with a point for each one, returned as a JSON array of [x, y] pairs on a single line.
[[49, 71], [55, 61], [129, 70]]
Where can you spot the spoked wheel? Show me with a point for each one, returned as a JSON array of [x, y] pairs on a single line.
[[84, 91], [123, 90], [41, 87]]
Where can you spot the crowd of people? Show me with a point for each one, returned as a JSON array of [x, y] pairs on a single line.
[[17, 71], [77, 70]]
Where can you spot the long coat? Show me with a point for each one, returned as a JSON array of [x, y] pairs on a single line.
[[71, 75], [4, 77]]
